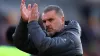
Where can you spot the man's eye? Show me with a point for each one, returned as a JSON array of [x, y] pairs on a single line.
[[44, 21], [50, 20]]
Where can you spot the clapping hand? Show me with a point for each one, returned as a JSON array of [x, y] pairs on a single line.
[[30, 13]]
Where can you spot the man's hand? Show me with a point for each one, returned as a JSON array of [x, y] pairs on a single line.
[[25, 12], [34, 13]]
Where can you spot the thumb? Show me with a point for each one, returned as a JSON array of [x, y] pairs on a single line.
[[29, 7]]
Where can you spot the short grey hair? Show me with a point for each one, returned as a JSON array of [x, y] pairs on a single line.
[[56, 8]]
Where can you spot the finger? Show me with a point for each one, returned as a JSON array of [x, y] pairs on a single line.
[[32, 9], [23, 1], [35, 8], [23, 5], [29, 7]]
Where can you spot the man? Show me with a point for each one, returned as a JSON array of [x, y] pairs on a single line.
[[10, 50], [58, 40]]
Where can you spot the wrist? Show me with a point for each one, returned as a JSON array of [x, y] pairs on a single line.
[[25, 19], [30, 20], [22, 19]]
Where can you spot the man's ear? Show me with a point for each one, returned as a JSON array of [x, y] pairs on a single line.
[[63, 20], [41, 23]]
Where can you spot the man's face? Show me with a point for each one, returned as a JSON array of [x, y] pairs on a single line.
[[52, 22]]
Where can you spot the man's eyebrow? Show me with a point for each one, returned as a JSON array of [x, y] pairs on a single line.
[[44, 21], [50, 19], [47, 19]]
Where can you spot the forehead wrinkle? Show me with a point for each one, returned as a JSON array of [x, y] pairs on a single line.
[[48, 15]]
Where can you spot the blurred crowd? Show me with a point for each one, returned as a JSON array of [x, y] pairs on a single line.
[[86, 12]]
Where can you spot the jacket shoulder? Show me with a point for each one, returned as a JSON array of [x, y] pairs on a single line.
[[73, 24]]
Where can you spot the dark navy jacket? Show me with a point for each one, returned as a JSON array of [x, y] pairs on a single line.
[[31, 38]]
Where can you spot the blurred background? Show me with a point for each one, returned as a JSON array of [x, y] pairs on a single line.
[[86, 12]]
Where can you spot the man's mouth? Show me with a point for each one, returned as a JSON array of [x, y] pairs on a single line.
[[49, 29]]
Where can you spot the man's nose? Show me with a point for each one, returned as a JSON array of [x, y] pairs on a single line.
[[47, 23]]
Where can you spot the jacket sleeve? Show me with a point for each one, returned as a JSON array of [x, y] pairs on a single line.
[[43, 43], [20, 38]]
